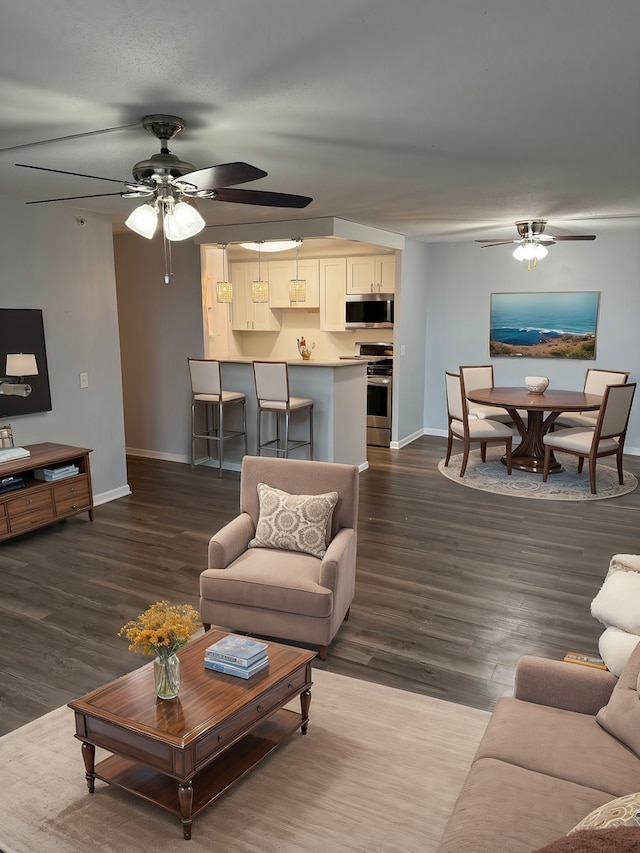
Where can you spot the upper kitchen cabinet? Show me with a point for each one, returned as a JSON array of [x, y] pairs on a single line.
[[371, 274], [247, 315], [333, 278], [282, 272]]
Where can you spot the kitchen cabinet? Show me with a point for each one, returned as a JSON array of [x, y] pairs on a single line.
[[333, 278], [281, 272], [371, 274], [247, 315]]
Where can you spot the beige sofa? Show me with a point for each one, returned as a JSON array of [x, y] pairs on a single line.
[[545, 762]]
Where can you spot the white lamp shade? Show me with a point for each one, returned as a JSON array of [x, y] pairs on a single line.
[[21, 364], [518, 253], [183, 222], [541, 251], [143, 220], [272, 246]]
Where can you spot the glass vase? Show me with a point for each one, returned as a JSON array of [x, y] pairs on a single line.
[[166, 672]]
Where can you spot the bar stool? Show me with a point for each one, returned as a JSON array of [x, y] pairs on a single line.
[[206, 389], [272, 390]]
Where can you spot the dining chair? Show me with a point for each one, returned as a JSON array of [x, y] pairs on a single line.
[[606, 438], [272, 390], [469, 429], [481, 376], [207, 392], [596, 380]]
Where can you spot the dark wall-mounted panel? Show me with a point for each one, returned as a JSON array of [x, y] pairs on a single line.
[[22, 330]]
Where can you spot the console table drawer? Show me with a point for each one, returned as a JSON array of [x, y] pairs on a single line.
[[35, 518], [71, 494], [35, 500]]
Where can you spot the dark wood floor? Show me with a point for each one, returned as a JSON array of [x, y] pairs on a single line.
[[453, 584]]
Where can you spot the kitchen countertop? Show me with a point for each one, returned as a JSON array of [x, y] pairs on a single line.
[[295, 362]]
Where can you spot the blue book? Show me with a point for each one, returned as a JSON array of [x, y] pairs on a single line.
[[233, 669], [234, 649]]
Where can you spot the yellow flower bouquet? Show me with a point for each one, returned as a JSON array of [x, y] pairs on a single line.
[[161, 630]]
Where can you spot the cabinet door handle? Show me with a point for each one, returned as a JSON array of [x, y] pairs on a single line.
[[259, 709]]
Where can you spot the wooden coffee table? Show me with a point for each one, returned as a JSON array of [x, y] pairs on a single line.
[[183, 753]]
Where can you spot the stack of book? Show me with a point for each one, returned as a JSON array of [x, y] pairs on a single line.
[[9, 454], [50, 474], [237, 656], [585, 660]]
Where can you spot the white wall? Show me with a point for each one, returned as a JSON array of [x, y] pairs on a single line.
[[160, 328], [52, 262], [462, 277]]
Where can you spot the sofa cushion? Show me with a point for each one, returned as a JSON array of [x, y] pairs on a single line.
[[623, 811], [282, 581], [622, 839], [559, 743], [293, 522], [621, 715], [617, 602], [503, 808]]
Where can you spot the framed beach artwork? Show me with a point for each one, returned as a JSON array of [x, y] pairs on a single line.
[[544, 325]]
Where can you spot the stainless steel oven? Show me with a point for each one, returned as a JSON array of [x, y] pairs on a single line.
[[379, 358]]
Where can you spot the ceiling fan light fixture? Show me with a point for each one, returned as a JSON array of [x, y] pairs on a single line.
[[182, 222], [518, 253], [143, 220]]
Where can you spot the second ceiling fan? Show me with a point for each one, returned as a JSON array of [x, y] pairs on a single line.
[[533, 242]]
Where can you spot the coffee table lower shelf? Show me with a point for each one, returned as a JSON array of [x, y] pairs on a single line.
[[208, 783]]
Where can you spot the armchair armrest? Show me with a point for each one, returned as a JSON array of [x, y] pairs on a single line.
[[563, 685], [231, 541], [341, 551]]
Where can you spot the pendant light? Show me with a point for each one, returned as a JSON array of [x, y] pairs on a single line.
[[297, 287], [260, 288], [224, 289]]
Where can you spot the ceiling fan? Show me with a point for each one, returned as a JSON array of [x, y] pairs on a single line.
[[169, 185], [533, 243], [165, 176]]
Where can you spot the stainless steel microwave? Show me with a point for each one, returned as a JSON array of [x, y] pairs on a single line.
[[369, 311]]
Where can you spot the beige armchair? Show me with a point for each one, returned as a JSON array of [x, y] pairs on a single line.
[[279, 591]]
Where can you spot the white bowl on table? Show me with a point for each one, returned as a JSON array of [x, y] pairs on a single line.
[[536, 384]]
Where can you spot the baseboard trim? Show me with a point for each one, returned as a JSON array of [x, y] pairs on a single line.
[[111, 495]]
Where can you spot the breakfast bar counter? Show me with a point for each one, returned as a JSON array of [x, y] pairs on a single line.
[[339, 393]]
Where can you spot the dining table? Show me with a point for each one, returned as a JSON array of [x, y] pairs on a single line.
[[541, 412]]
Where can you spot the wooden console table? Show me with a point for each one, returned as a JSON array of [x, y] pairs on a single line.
[[43, 502]]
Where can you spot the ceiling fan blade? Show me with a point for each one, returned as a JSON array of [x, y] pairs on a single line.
[[224, 175], [62, 172], [70, 198], [577, 237], [497, 243], [266, 199], [65, 138]]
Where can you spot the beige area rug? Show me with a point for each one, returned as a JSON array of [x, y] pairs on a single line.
[[379, 771], [568, 485]]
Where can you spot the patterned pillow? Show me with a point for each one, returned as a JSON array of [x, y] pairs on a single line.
[[623, 811], [293, 522]]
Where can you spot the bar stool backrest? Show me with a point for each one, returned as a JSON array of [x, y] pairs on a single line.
[[205, 376], [272, 380]]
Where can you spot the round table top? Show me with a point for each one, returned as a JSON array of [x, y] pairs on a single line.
[[553, 400]]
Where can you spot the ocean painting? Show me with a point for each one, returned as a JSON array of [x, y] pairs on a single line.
[[544, 325]]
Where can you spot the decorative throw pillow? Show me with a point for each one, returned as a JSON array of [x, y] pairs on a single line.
[[623, 811], [615, 646], [616, 839], [621, 715], [293, 522], [617, 602]]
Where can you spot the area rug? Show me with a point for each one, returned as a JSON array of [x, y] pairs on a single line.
[[568, 485], [379, 771]]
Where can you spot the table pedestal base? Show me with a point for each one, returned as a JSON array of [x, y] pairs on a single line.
[[529, 454]]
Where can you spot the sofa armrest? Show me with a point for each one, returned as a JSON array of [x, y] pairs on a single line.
[[231, 541], [341, 552], [568, 686]]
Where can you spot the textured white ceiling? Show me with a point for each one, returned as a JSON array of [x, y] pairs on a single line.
[[441, 120]]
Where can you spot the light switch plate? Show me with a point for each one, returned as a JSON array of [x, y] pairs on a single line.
[[84, 380]]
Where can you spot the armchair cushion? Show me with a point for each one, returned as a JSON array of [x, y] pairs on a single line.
[[293, 522]]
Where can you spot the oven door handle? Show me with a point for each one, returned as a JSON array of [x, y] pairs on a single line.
[[378, 380]]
